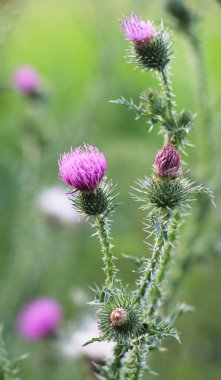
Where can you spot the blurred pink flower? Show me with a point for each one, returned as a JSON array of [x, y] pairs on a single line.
[[167, 161], [26, 80], [39, 319], [82, 168], [137, 30]]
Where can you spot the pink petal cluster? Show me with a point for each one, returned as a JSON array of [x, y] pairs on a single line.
[[82, 168], [26, 79], [39, 319], [137, 30], [167, 161]]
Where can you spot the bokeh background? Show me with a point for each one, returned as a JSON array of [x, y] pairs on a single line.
[[78, 49]]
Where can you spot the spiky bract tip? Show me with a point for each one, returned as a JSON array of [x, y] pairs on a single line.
[[95, 202], [167, 193]]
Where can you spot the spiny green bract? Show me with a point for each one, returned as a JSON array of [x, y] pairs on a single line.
[[154, 55], [131, 328], [166, 193], [95, 202]]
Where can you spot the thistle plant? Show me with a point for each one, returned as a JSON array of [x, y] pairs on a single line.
[[136, 320], [9, 368]]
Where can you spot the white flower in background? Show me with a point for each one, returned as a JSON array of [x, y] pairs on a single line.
[[97, 352], [54, 204], [79, 297]]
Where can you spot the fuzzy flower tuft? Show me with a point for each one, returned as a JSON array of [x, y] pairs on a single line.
[[167, 161], [39, 319], [26, 80], [82, 168], [136, 30]]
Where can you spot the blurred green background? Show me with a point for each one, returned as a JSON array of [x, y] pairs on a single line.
[[78, 49]]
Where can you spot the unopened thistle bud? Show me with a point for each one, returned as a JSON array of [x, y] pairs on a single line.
[[167, 161], [150, 48], [118, 316], [83, 169], [120, 319], [185, 118]]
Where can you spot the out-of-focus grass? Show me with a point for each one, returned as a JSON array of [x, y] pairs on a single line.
[[78, 48]]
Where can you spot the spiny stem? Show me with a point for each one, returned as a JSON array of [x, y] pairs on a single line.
[[168, 93], [117, 362], [103, 234], [133, 368], [151, 273], [156, 293]]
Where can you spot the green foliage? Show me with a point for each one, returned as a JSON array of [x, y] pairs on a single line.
[[153, 107], [135, 363], [8, 368]]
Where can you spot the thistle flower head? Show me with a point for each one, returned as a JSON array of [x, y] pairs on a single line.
[[39, 319], [26, 80], [167, 161], [136, 30], [82, 168]]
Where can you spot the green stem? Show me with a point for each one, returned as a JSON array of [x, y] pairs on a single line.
[[133, 368], [104, 237], [168, 93], [151, 273], [117, 362], [156, 293]]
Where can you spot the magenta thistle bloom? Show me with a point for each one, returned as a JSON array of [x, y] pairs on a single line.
[[82, 168], [26, 80], [167, 161], [137, 30], [39, 319]]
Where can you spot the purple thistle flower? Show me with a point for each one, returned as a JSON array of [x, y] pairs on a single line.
[[137, 30], [39, 319], [167, 161], [82, 168], [26, 80]]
